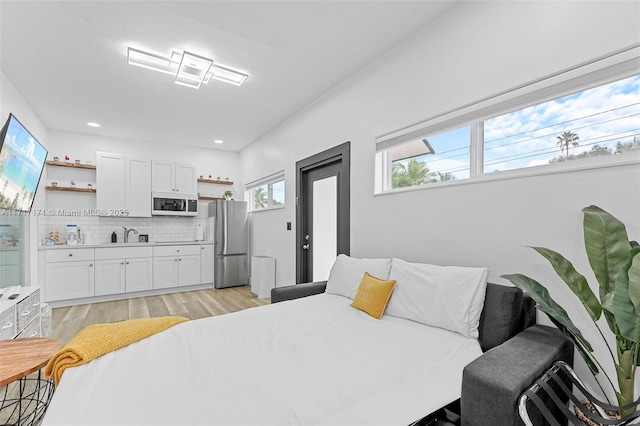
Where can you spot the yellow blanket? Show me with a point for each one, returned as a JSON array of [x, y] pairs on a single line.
[[99, 339]]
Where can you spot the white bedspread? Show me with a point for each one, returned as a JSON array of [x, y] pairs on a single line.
[[312, 361]]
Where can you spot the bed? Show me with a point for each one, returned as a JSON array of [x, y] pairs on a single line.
[[308, 358]]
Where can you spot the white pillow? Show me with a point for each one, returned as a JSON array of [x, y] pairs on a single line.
[[347, 272], [449, 297]]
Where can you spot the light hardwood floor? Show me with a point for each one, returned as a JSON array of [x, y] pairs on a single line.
[[67, 321]]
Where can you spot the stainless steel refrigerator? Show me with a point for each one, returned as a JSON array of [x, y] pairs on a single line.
[[230, 241]]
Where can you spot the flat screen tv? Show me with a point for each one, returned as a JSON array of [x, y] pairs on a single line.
[[22, 159]]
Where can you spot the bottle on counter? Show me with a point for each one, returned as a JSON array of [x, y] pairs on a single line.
[[114, 237]]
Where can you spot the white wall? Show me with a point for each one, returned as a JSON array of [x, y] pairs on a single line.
[[474, 50]]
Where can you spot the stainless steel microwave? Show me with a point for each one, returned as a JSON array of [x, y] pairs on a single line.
[[174, 204]]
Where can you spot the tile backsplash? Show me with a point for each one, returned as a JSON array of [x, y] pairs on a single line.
[[97, 230]]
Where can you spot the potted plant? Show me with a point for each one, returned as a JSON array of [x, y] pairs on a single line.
[[227, 195], [615, 262]]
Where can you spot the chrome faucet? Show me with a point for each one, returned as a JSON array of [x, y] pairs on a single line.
[[126, 233]]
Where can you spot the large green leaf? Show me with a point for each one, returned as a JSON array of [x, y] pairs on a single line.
[[633, 273], [574, 280], [607, 246], [549, 306], [626, 299]]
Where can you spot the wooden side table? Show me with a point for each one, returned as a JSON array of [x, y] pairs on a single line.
[[24, 399]]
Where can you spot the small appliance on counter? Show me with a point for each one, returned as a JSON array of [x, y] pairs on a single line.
[[199, 233], [73, 234], [143, 238]]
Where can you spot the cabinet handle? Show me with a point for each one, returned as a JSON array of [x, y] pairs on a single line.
[[175, 260], [9, 324], [178, 250], [90, 265], [35, 305], [202, 248], [24, 314], [122, 263], [70, 254], [127, 263], [34, 333], [180, 260]]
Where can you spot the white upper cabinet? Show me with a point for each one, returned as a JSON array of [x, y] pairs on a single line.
[[138, 186], [174, 177], [186, 180], [124, 185], [110, 179], [163, 176]]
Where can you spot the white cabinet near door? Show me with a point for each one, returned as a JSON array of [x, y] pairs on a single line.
[[123, 270], [177, 265], [69, 274], [206, 263], [174, 177]]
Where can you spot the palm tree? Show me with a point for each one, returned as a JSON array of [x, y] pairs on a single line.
[[442, 177], [411, 174], [259, 198], [565, 139]]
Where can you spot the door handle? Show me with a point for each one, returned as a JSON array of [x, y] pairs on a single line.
[[305, 246]]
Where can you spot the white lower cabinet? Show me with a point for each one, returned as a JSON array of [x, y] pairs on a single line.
[[78, 273], [123, 270], [165, 271], [176, 266], [139, 274], [189, 269], [109, 277], [206, 263], [69, 274]]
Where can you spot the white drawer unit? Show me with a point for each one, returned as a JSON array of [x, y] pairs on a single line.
[[20, 317], [28, 309], [31, 330]]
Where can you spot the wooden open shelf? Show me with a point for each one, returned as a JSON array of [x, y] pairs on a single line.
[[206, 198], [70, 164], [219, 182], [69, 188]]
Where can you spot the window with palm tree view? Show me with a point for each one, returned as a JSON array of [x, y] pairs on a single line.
[[267, 194], [596, 122]]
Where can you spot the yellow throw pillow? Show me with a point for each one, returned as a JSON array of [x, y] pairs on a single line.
[[373, 295]]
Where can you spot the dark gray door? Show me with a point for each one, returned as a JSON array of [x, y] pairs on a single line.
[[323, 212]]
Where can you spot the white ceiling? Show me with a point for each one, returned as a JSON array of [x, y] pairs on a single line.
[[68, 60]]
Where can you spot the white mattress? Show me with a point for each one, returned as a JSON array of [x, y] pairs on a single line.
[[309, 361]]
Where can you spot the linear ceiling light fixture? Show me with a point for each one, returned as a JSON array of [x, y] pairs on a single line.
[[188, 68]]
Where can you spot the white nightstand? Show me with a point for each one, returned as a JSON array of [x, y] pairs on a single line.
[[20, 317]]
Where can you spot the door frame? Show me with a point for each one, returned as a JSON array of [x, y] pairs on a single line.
[[340, 153]]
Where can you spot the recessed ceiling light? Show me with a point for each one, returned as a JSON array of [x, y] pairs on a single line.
[[218, 141], [92, 124]]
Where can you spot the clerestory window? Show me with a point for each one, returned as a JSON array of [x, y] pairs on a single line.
[[589, 111]]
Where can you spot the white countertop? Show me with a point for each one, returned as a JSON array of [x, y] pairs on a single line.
[[132, 244]]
